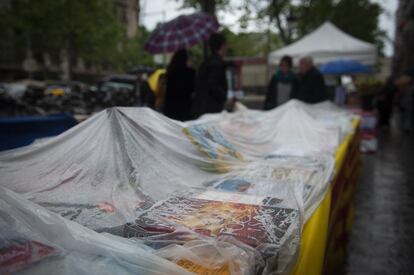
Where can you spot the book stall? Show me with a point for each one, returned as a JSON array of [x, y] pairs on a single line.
[[129, 191]]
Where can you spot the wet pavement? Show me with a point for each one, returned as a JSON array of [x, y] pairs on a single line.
[[382, 239]]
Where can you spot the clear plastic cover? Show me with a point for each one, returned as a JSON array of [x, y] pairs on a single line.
[[36, 241], [294, 128], [228, 193]]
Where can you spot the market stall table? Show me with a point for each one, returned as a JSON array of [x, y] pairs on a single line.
[[324, 236]]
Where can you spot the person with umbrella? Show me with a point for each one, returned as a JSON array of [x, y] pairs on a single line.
[[181, 33], [211, 82], [180, 87]]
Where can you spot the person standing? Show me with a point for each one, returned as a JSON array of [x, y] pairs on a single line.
[[153, 90], [282, 84], [211, 82], [311, 87], [340, 92], [180, 87], [385, 102]]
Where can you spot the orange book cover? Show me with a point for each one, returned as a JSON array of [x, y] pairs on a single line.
[[215, 214]]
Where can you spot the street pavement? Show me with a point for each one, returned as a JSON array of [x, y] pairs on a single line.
[[382, 238]]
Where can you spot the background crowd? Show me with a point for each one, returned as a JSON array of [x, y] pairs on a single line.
[[182, 93]]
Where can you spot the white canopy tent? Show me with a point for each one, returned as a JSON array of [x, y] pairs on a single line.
[[328, 43]]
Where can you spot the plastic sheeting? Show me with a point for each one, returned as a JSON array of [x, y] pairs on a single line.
[[295, 128], [231, 192], [36, 241]]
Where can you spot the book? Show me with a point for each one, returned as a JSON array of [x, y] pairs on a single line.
[[198, 269], [16, 254], [215, 214], [214, 146]]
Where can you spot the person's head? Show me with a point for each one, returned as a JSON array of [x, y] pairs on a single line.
[[285, 64], [305, 64], [217, 44], [179, 60]]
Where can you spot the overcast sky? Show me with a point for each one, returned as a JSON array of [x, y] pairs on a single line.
[[155, 11]]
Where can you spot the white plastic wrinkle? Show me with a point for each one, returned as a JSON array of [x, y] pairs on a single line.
[[197, 181], [65, 246]]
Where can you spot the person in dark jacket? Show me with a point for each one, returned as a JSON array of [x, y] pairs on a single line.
[[282, 85], [385, 102], [211, 83], [311, 87], [180, 87]]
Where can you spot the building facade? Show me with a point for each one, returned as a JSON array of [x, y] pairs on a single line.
[[404, 38], [127, 12]]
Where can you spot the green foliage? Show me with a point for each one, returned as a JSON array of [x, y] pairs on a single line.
[[238, 44], [250, 44], [197, 55], [87, 29], [132, 51], [241, 44], [359, 18]]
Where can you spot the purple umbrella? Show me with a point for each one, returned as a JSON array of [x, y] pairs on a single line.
[[182, 32]]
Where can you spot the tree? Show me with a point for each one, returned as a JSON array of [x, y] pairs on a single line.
[[208, 6], [85, 29], [249, 44], [278, 13], [240, 44], [133, 52], [358, 18]]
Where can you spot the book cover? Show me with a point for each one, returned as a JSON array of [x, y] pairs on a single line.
[[198, 269], [214, 145], [17, 254], [219, 213]]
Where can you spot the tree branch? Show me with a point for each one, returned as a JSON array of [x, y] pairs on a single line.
[[275, 12]]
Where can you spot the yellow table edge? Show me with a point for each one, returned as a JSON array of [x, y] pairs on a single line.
[[315, 232]]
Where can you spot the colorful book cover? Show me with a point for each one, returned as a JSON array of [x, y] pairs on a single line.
[[18, 254], [201, 270], [214, 145], [314, 173], [247, 186], [215, 214]]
